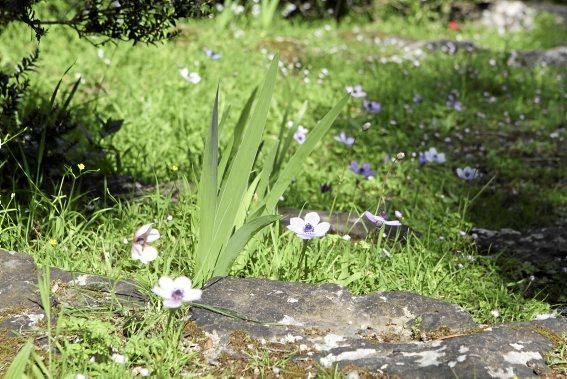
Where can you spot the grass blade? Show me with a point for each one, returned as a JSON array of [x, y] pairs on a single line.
[[17, 368]]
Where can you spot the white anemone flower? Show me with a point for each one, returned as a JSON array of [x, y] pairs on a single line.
[[468, 173], [141, 249], [309, 228], [379, 220], [432, 155], [300, 135], [191, 77], [176, 291], [355, 91]]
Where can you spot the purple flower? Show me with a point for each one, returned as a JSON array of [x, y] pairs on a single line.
[[468, 173], [211, 54], [363, 170], [300, 135], [372, 106], [421, 159], [343, 138], [356, 91], [380, 220], [433, 156], [141, 249], [453, 101], [417, 99]]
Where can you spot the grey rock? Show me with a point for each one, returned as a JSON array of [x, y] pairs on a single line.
[[450, 47], [509, 16], [541, 253], [20, 302], [390, 333], [552, 57]]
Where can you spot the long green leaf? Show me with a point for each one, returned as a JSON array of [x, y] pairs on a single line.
[[17, 368], [56, 90], [242, 213], [237, 135], [238, 241], [236, 183], [71, 94], [296, 162], [267, 170], [208, 190]]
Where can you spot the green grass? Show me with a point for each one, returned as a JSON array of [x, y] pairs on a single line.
[[162, 140]]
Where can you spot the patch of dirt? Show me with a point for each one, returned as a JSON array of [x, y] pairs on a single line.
[[290, 50], [9, 347]]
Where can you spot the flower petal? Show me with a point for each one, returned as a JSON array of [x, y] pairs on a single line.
[[393, 223], [296, 225], [172, 303], [152, 235], [166, 283], [137, 251], [183, 283], [312, 218], [149, 253], [322, 229], [372, 218], [305, 236], [192, 295], [142, 230]]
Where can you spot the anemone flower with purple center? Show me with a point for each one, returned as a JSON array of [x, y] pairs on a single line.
[[300, 135], [363, 170], [344, 139], [310, 227], [468, 173], [141, 249], [355, 91], [211, 54], [372, 106], [176, 291], [379, 220], [433, 156]]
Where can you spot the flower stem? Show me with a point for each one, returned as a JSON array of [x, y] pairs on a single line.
[[302, 257]]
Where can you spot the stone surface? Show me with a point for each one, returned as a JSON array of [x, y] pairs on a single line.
[[391, 333], [20, 303], [539, 255], [509, 16], [551, 57]]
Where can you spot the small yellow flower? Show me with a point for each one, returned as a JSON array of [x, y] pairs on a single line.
[[81, 166], [174, 168], [53, 242]]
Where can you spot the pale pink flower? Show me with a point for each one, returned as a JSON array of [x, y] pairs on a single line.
[[379, 220], [141, 249], [176, 291]]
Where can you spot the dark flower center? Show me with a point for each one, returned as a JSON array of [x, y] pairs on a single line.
[[308, 228], [177, 294]]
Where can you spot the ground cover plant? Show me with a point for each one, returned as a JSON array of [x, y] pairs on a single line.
[[438, 142]]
